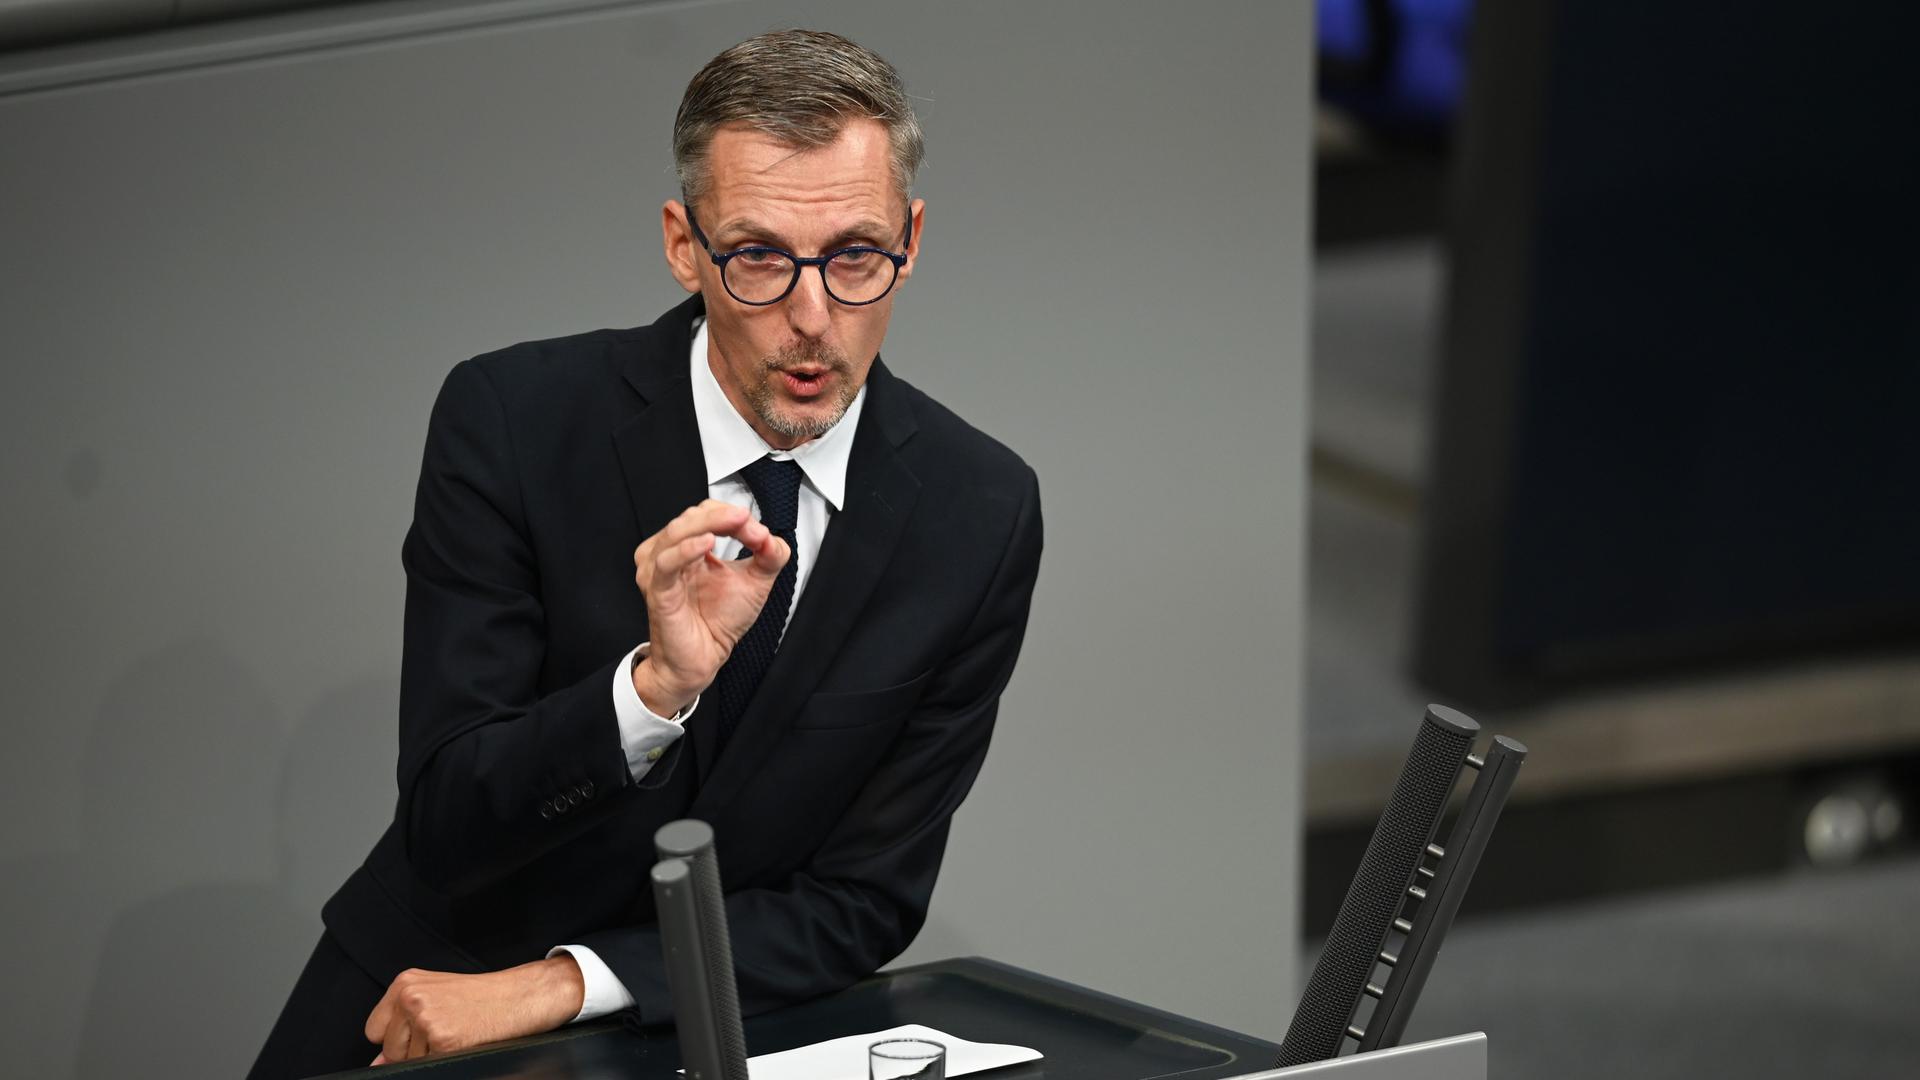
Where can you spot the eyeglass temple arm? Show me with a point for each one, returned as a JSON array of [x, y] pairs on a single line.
[[699, 234]]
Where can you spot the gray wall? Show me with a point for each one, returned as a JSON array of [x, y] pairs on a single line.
[[229, 293]]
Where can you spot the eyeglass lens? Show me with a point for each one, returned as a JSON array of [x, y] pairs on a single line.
[[853, 277]]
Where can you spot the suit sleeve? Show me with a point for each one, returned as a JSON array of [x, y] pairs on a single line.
[[862, 897], [491, 773]]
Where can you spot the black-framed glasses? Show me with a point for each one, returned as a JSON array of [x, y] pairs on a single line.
[[855, 276]]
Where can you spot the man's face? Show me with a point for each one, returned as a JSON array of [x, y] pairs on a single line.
[[793, 367]]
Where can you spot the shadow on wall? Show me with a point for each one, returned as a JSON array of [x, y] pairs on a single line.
[[207, 832]]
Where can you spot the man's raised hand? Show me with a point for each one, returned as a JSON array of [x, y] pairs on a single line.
[[698, 606]]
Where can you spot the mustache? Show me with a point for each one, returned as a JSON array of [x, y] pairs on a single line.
[[807, 354]]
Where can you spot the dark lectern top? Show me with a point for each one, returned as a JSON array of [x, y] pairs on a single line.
[[1080, 1033]]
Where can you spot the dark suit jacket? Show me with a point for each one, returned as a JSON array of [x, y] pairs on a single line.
[[518, 825]]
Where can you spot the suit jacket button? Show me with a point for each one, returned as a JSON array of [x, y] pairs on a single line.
[[586, 790], [573, 797], [546, 811]]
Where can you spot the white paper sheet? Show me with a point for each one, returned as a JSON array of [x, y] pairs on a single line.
[[846, 1059]]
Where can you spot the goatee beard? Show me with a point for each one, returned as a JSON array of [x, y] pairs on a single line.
[[765, 402]]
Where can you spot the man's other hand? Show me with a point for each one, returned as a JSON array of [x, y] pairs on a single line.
[[436, 1012], [699, 607]]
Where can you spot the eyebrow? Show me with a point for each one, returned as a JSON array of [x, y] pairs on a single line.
[[867, 231]]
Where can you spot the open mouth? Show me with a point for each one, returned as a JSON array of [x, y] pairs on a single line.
[[805, 382]]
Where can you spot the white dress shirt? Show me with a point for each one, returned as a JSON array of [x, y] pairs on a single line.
[[729, 444]]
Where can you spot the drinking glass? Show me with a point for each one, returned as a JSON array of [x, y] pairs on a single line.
[[906, 1059]]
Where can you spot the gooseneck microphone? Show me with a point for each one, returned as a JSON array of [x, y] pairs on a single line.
[[699, 952], [1370, 912], [1444, 891]]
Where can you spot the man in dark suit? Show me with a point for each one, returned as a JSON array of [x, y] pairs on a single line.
[[833, 577]]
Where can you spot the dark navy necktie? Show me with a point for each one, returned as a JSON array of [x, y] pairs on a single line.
[[776, 488]]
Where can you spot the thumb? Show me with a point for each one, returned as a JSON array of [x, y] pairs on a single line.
[[771, 558]]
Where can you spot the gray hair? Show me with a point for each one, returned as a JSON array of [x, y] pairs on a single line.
[[800, 87]]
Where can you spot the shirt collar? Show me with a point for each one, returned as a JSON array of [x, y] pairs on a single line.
[[730, 444]]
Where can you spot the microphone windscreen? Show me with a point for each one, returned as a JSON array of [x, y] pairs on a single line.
[[1379, 888], [692, 840]]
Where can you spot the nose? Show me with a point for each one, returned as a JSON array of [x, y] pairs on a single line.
[[809, 308]]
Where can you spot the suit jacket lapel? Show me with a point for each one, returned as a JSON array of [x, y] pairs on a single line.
[[659, 449], [663, 477], [860, 541]]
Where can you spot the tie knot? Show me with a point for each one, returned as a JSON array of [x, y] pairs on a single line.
[[776, 487]]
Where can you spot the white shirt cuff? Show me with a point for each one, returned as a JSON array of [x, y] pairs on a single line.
[[605, 992], [644, 734]]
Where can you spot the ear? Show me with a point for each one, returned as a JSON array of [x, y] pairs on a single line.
[[917, 214], [683, 252]]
